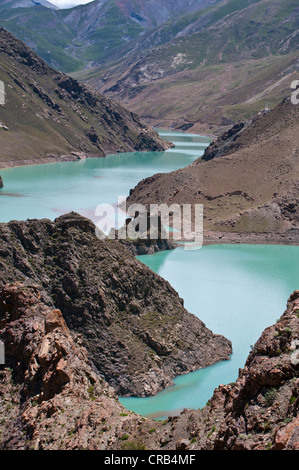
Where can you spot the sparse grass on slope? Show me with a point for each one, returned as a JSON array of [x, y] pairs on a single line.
[[225, 63]]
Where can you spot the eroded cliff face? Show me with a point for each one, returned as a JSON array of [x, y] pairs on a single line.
[[51, 397], [132, 322], [261, 410]]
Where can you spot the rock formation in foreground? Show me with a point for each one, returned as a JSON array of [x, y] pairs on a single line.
[[132, 322], [51, 396], [247, 181]]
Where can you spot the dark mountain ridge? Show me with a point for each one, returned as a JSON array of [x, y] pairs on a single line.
[[49, 116]]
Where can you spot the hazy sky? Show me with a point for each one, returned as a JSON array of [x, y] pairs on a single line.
[[68, 3]]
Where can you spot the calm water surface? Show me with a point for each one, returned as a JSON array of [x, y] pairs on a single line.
[[236, 290], [47, 191]]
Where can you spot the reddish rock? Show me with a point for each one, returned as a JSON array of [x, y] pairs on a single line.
[[288, 437]]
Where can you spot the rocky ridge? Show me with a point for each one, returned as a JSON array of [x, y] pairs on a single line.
[[51, 396], [133, 324]]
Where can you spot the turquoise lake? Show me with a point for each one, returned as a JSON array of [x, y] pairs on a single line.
[[47, 191], [237, 290]]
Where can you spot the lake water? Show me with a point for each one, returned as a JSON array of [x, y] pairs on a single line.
[[47, 191], [236, 290]]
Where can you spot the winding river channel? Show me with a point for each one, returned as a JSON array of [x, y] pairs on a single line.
[[237, 290]]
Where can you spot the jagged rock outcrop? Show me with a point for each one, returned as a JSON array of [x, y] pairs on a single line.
[[132, 322], [145, 244], [224, 142], [52, 397], [262, 408]]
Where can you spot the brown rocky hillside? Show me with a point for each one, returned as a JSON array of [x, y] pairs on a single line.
[[247, 180]]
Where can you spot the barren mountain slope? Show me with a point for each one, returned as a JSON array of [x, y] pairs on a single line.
[[48, 115], [200, 64], [74, 38], [207, 69]]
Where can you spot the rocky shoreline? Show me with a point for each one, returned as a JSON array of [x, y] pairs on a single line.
[[221, 238], [41, 161], [72, 157]]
